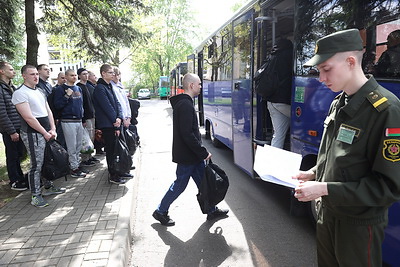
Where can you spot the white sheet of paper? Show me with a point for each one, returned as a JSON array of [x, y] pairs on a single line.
[[277, 165]]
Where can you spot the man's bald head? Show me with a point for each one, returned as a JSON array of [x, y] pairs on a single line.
[[188, 79]]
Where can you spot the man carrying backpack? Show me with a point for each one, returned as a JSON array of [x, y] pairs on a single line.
[[275, 85], [37, 128]]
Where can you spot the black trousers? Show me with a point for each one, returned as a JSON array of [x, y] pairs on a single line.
[[14, 153], [109, 140]]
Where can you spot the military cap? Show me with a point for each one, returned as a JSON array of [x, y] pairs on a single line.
[[328, 46]]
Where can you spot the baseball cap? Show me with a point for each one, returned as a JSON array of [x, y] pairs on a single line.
[[80, 70], [341, 41]]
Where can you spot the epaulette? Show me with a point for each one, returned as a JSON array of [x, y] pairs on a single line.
[[377, 100]]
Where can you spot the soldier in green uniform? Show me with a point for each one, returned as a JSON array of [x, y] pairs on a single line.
[[358, 165]]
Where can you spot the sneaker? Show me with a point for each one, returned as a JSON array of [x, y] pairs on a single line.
[[39, 202], [217, 213], [77, 173], [126, 175], [94, 160], [53, 191], [117, 180], [83, 170], [164, 219], [19, 186], [88, 163]]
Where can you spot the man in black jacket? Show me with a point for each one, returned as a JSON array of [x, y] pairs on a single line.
[[187, 150], [88, 113], [279, 103], [44, 75], [9, 128]]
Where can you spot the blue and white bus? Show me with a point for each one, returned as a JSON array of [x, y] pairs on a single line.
[[234, 115]]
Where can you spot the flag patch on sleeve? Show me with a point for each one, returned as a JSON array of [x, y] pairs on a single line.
[[392, 132]]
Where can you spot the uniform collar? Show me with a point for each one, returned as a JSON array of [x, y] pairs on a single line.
[[360, 97]]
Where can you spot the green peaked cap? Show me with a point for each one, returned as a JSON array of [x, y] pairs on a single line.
[[342, 41]]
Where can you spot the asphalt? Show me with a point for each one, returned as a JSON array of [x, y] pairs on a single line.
[[89, 225]]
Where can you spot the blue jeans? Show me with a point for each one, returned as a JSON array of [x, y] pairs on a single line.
[[183, 174], [280, 116]]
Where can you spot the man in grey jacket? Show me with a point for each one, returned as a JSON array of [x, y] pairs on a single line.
[[9, 128]]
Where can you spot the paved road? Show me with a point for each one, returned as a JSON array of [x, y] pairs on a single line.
[[258, 232]]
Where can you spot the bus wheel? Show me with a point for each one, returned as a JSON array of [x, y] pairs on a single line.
[[214, 141], [208, 130]]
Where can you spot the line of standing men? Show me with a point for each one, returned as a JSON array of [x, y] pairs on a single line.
[[74, 106]]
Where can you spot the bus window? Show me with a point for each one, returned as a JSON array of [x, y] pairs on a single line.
[[388, 64], [317, 19]]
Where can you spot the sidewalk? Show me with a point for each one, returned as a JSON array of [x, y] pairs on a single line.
[[89, 225]]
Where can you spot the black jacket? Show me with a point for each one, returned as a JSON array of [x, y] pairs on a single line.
[[9, 118], [45, 87], [106, 105], [88, 107], [186, 143], [284, 66]]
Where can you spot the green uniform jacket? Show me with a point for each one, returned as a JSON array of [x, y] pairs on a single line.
[[359, 158]]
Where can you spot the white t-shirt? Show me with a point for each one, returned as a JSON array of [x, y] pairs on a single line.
[[34, 97]]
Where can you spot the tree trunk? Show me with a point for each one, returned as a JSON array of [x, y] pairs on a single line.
[[32, 45]]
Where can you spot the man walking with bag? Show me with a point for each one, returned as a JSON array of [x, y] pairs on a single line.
[[187, 150]]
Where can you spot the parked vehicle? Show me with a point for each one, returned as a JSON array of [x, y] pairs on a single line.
[[144, 94]]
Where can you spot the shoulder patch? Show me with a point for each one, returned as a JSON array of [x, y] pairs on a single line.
[[377, 100]]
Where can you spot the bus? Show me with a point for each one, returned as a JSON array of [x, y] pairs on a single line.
[[176, 76], [163, 87], [235, 116]]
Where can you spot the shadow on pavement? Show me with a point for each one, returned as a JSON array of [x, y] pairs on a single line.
[[205, 248]]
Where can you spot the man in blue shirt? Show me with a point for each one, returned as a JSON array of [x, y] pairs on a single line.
[[68, 99]]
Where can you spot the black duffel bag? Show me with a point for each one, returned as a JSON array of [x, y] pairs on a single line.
[[122, 160], [130, 140], [213, 187]]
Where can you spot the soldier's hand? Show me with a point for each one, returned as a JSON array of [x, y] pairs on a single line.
[[307, 191], [305, 176]]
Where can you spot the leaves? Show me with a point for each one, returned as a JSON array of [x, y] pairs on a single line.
[[94, 29]]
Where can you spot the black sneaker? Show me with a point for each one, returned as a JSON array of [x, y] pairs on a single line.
[[85, 171], [77, 173], [93, 159], [126, 175], [19, 186], [217, 213], [117, 180], [164, 219], [88, 163]]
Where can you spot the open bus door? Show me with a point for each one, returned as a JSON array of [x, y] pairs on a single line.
[[242, 92]]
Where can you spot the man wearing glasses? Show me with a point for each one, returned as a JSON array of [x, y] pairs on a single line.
[[108, 117]]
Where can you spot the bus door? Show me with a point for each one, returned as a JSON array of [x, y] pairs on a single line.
[[242, 92]]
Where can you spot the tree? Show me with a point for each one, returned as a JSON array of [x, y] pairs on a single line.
[[100, 27], [94, 29], [172, 29], [10, 32]]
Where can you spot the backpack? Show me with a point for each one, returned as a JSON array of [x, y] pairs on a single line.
[[267, 78], [56, 163], [122, 160], [213, 187]]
